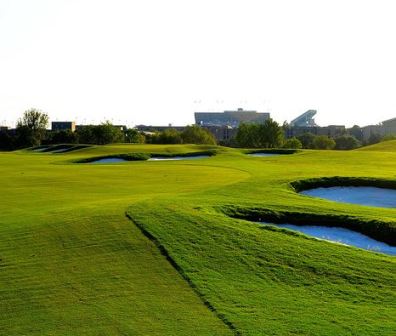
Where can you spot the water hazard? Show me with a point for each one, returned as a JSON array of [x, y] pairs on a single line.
[[371, 196]]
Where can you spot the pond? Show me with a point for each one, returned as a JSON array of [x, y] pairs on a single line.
[[342, 236], [371, 196]]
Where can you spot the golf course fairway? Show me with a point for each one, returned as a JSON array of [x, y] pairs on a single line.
[[172, 247]]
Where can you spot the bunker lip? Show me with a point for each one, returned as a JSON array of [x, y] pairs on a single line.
[[316, 187], [379, 230], [178, 158], [61, 148], [366, 196], [271, 151], [341, 181], [338, 235], [146, 157]]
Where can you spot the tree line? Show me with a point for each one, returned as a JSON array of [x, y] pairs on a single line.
[[31, 130], [272, 135]]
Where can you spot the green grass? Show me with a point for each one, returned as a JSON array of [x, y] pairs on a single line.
[[72, 263], [385, 146]]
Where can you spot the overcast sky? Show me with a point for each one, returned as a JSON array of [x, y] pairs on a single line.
[[155, 62]]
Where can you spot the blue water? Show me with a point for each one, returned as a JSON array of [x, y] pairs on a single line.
[[371, 196], [342, 236], [263, 154]]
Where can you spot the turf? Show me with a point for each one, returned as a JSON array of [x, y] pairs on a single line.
[[72, 263]]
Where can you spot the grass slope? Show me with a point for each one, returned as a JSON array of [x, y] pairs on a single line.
[[385, 146], [72, 263]]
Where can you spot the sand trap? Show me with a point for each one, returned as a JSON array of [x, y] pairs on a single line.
[[371, 196], [40, 149], [264, 154], [61, 150], [108, 160], [178, 158], [342, 236]]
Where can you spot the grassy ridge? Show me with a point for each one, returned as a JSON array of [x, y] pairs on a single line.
[[71, 263]]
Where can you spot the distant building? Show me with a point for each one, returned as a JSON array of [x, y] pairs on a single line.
[[306, 124], [330, 131], [230, 118], [63, 126], [387, 127], [4, 129], [222, 134], [145, 128]]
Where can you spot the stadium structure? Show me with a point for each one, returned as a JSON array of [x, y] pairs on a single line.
[[305, 120], [230, 118]]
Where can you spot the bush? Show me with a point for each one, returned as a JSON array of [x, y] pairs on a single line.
[[134, 136], [197, 135], [346, 142], [307, 140], [292, 143], [169, 136], [323, 142]]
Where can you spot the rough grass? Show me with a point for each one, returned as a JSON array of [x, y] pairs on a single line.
[[71, 263]]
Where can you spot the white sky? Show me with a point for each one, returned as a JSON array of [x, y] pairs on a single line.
[[156, 62]]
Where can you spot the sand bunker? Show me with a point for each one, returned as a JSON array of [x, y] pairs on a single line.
[[177, 158], [370, 196], [342, 236]]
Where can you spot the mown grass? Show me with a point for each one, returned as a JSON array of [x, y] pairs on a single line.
[[73, 264]]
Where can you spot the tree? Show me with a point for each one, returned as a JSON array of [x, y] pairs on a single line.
[[307, 140], [134, 136], [271, 135], [323, 142], [85, 134], [63, 136], [106, 133], [346, 142], [248, 136], [6, 141], [31, 128], [268, 135], [197, 135], [102, 134], [357, 132], [292, 143], [374, 138], [169, 136]]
